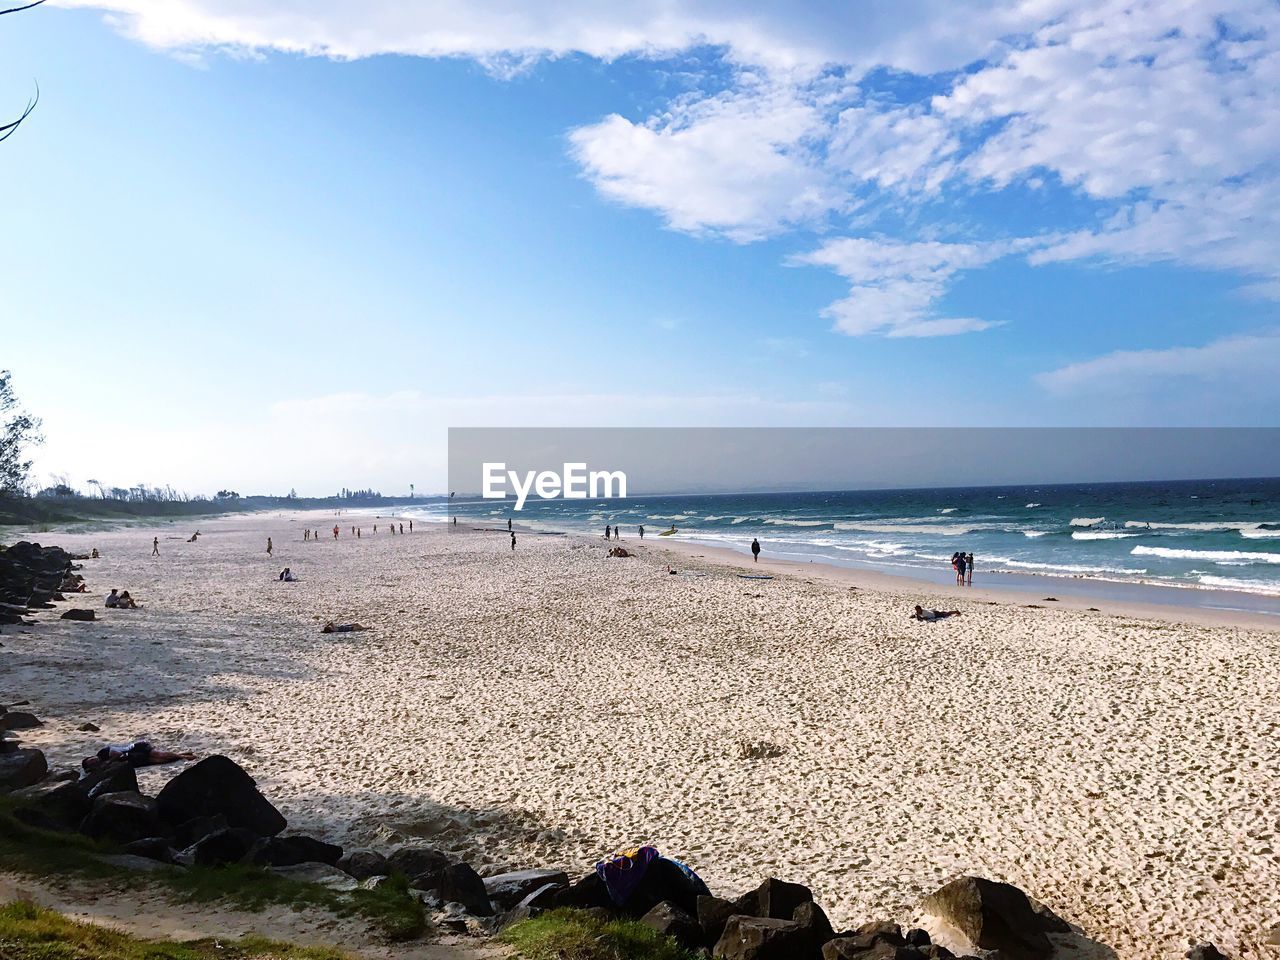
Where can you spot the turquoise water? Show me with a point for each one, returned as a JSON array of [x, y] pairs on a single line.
[[1211, 535]]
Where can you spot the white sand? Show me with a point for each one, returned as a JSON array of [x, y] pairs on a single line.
[[548, 707]]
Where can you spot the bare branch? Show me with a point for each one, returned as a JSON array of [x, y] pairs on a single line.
[[20, 9], [7, 129]]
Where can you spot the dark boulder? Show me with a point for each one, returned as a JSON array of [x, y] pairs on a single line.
[[121, 817], [19, 720], [153, 848], [760, 938], [110, 778], [422, 865], [917, 937], [79, 613], [231, 845], [816, 927], [218, 785], [21, 768], [992, 916], [713, 913], [586, 893], [363, 864], [670, 921], [1206, 951], [458, 883], [507, 889], [774, 898], [192, 831], [295, 849]]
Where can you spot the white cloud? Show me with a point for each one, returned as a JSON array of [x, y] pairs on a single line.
[[1165, 114], [1233, 361], [894, 287]]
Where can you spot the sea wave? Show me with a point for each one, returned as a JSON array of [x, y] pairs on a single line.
[[947, 510], [1265, 587], [1086, 521], [940, 529], [784, 522], [1031, 506], [1229, 557], [1203, 526], [1260, 533], [1101, 535], [1059, 568], [1034, 533]]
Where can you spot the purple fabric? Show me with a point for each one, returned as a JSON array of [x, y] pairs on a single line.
[[623, 873]]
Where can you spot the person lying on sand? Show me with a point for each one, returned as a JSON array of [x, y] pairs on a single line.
[[332, 627], [929, 615], [137, 754]]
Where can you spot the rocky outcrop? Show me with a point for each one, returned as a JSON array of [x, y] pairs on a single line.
[[218, 786], [995, 916]]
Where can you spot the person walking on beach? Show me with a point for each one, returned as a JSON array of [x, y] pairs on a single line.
[[411, 526], [608, 531], [335, 531], [358, 531], [155, 546], [402, 528], [755, 550], [968, 562], [617, 532], [508, 524], [642, 531], [306, 535], [513, 542], [269, 546]]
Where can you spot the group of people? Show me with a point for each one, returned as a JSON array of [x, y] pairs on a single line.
[[962, 564], [357, 532]]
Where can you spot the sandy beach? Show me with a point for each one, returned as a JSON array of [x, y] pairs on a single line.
[[546, 707]]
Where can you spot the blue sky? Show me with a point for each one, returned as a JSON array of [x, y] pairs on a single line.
[[289, 247]]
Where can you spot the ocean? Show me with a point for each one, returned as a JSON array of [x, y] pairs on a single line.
[[1214, 535]]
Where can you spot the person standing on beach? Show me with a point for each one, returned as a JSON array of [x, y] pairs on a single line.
[[508, 523], [358, 533], [608, 531], [335, 531], [269, 546], [411, 526], [642, 531], [155, 546], [513, 542], [306, 535], [402, 527], [960, 565], [755, 550], [968, 562]]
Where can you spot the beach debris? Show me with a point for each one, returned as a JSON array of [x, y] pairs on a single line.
[[78, 613], [218, 785], [760, 750], [995, 916]]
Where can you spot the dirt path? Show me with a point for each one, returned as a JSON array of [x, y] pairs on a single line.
[[149, 915]]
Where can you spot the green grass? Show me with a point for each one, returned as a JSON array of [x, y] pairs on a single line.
[[575, 935], [391, 909], [28, 932]]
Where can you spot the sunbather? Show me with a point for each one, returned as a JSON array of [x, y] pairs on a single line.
[[137, 754], [929, 615], [332, 627]]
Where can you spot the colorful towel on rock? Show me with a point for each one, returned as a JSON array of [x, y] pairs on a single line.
[[623, 872]]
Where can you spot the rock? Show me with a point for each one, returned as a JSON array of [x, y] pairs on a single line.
[[111, 778], [218, 785], [878, 940], [513, 916], [323, 874], [153, 848], [918, 937], [287, 851], [774, 898], [541, 899], [121, 817], [816, 927], [129, 861], [586, 893], [61, 804], [363, 864], [993, 916], [460, 884], [1206, 951], [21, 768], [664, 881], [192, 831], [885, 930], [760, 938], [507, 889], [79, 613], [713, 913], [19, 720], [670, 921], [229, 845], [419, 863], [88, 728]]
